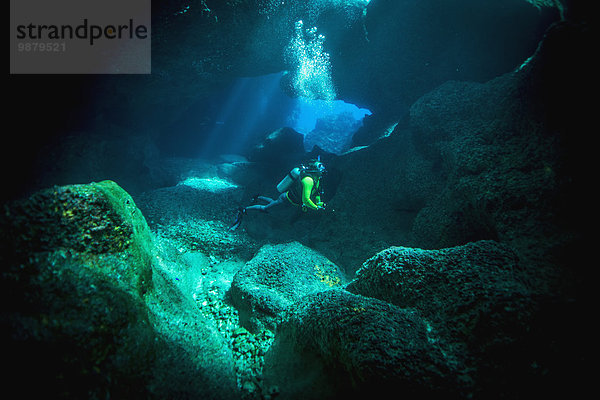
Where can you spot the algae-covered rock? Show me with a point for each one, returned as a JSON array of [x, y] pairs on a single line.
[[278, 276], [98, 223], [76, 261], [336, 344], [73, 332], [451, 287], [502, 163], [475, 299], [88, 313]]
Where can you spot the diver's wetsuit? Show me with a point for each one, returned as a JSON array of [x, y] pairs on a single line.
[[300, 194], [282, 199]]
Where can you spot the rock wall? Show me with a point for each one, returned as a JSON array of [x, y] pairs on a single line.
[[473, 161], [477, 299], [426, 43]]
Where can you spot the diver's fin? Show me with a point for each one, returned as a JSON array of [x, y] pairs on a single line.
[[238, 219]]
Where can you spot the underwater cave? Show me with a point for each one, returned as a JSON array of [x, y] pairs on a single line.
[[300, 199]]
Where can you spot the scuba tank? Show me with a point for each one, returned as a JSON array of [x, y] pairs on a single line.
[[289, 179]]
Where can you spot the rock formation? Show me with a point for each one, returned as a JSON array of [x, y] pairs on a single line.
[[465, 195], [87, 314], [277, 277]]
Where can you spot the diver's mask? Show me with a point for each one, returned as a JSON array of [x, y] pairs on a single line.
[[320, 167]]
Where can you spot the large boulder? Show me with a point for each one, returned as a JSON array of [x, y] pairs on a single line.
[[335, 344], [452, 287], [275, 278], [99, 224], [76, 263], [87, 311], [476, 299]]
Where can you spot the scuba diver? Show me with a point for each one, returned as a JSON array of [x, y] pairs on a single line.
[[301, 187]]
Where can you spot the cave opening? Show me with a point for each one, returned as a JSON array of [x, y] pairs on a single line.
[[239, 117]]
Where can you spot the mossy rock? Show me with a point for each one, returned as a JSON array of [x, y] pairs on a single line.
[[458, 284], [336, 344], [83, 313], [98, 223], [278, 276], [76, 263]]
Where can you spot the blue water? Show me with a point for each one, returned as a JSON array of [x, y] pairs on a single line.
[[235, 119], [308, 111]]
